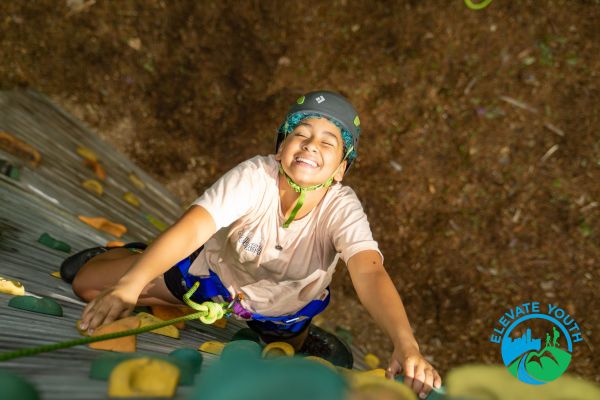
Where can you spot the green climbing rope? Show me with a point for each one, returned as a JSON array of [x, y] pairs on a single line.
[[207, 311], [477, 6]]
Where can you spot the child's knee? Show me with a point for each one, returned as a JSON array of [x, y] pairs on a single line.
[[83, 288]]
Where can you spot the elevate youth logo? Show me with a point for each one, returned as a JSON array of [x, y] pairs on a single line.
[[536, 341]]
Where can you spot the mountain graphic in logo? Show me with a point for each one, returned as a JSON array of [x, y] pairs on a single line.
[[529, 364]]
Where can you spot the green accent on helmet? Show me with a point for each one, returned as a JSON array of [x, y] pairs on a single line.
[[356, 121], [300, 100]]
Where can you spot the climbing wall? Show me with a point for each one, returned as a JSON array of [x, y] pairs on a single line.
[[63, 190], [55, 174]]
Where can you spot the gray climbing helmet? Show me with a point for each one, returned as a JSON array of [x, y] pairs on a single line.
[[332, 106]]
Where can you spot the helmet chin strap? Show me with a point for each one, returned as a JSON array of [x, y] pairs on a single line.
[[302, 190]]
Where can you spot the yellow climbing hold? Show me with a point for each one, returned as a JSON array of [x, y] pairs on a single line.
[[278, 349], [149, 319], [379, 372], [375, 384], [371, 360], [56, 274], [131, 199], [356, 121], [158, 224], [102, 224], [87, 154], [9, 286], [82, 332], [321, 361], [143, 377], [212, 347], [496, 382], [93, 186], [137, 182]]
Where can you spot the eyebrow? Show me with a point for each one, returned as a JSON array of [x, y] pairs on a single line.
[[327, 132]]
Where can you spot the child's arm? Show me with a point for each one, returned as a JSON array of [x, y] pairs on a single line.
[[190, 232], [379, 296]]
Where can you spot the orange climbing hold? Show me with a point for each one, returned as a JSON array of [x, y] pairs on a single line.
[[115, 243], [96, 167], [18, 148], [125, 344], [167, 313], [102, 224], [221, 323]]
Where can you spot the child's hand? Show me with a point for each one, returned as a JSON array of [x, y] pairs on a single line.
[[110, 304], [419, 374]]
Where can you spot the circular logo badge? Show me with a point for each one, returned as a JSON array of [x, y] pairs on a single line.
[[536, 348]]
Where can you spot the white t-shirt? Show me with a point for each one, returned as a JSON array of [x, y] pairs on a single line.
[[246, 208]]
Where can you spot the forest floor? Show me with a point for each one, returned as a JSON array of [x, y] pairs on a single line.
[[479, 160]]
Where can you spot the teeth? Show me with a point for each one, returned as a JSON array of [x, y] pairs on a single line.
[[307, 161]]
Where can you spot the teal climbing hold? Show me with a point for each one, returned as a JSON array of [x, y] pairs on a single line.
[[289, 378], [103, 365], [42, 305], [9, 170], [16, 388], [246, 334], [240, 350], [435, 394], [192, 356], [53, 243]]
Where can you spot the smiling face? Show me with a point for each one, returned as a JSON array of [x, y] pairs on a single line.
[[312, 152]]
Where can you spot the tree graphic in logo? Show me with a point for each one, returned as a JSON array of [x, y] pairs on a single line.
[[525, 357]]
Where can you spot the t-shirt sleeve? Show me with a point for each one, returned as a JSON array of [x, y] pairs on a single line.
[[233, 195], [349, 228]]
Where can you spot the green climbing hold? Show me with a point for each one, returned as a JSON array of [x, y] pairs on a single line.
[[192, 356], [300, 100], [49, 241], [44, 305], [246, 334], [241, 350], [158, 224], [9, 170], [103, 365], [435, 394], [16, 388], [356, 121], [290, 379]]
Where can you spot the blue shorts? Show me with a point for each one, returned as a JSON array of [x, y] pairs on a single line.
[[179, 281]]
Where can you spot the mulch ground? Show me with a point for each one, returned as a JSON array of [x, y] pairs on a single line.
[[479, 163]]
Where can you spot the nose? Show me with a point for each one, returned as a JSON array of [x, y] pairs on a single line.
[[309, 145]]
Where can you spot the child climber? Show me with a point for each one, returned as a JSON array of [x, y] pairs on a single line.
[[267, 235]]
